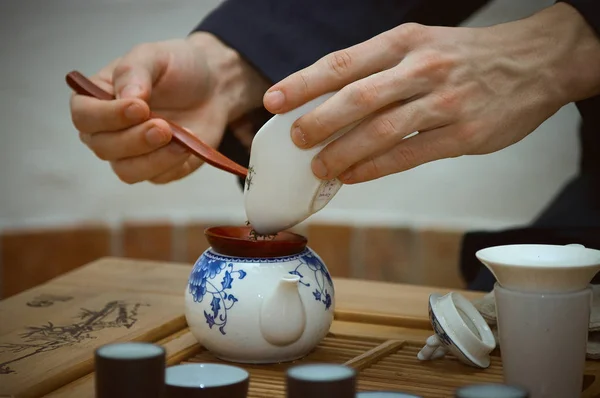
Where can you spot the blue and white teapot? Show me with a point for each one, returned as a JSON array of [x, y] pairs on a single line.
[[253, 299]]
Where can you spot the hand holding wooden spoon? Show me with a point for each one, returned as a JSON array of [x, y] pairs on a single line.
[[178, 80]]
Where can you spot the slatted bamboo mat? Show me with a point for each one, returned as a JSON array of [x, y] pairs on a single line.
[[382, 365]]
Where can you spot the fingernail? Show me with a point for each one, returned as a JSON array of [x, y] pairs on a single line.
[[298, 137], [155, 137], [131, 90], [345, 176], [133, 112], [319, 168], [274, 99]]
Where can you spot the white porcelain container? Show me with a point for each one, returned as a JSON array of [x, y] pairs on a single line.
[[281, 189], [541, 268], [259, 310], [460, 329]]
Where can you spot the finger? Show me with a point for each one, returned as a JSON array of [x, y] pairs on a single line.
[[146, 167], [178, 172], [422, 148], [136, 72], [383, 130], [135, 141], [91, 115], [355, 102], [334, 71]]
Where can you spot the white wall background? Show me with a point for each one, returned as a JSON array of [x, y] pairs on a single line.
[[48, 177]]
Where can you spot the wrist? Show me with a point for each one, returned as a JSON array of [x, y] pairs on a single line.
[[572, 50], [237, 84]]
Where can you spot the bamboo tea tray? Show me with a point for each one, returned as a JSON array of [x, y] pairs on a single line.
[[46, 347]]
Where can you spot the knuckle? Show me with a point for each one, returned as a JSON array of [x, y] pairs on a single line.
[[125, 175], [100, 153], [382, 128], [365, 95], [433, 66], [127, 179], [143, 48], [431, 62], [388, 42], [404, 157], [304, 79], [469, 136], [159, 181], [372, 168], [410, 31], [340, 62], [77, 119], [447, 101], [122, 68]]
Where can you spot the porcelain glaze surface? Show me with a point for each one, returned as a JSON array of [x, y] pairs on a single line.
[[460, 329], [259, 310], [541, 268], [281, 189]]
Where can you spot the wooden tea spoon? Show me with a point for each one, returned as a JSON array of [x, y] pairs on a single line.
[[83, 86]]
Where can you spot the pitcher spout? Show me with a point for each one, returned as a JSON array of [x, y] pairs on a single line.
[[282, 314]]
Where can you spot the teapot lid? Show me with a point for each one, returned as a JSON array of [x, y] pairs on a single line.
[[238, 241], [460, 329]]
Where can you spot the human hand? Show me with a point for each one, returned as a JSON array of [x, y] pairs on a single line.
[[197, 82], [466, 91]]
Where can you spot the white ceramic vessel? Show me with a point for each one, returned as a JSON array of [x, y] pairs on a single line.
[[206, 380], [541, 268], [259, 310], [490, 391], [460, 329], [281, 189]]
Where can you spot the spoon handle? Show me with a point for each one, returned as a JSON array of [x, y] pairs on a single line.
[[83, 86]]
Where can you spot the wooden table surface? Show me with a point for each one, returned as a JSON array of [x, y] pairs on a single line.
[[48, 334]]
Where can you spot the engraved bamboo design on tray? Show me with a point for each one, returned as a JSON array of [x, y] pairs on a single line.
[[382, 364]]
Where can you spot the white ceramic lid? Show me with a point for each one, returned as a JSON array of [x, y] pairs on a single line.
[[460, 329]]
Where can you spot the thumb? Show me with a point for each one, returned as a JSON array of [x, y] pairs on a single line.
[[138, 70]]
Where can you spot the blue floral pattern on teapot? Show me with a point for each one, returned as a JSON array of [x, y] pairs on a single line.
[[214, 276]]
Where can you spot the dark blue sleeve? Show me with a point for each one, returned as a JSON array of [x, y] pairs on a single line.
[[589, 10], [279, 37]]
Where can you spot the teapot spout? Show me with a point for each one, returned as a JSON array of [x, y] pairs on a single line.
[[282, 314]]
